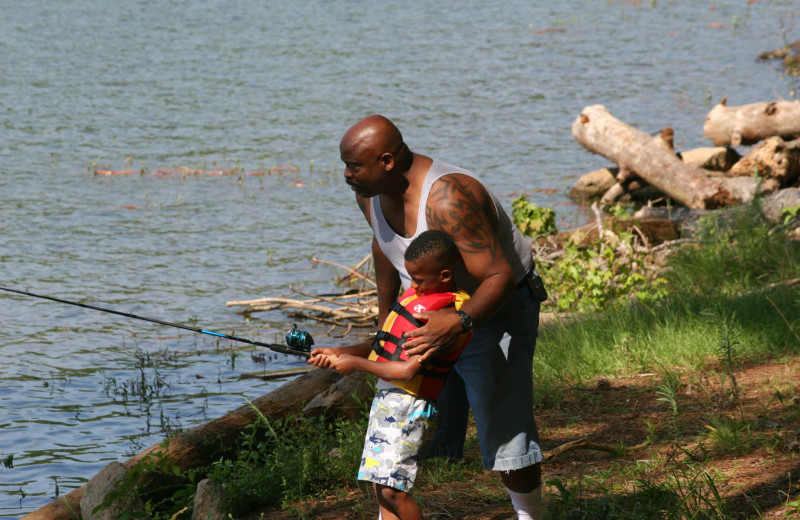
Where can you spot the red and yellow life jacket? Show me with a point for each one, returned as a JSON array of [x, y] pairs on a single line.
[[388, 343]]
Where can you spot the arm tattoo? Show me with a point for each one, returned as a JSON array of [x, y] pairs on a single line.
[[459, 210]]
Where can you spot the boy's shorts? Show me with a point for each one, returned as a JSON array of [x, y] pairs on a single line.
[[400, 427]]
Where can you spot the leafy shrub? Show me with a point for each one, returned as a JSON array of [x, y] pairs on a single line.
[[532, 220], [605, 271]]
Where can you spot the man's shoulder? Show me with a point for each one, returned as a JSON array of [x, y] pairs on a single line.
[[442, 171], [440, 166], [456, 185]]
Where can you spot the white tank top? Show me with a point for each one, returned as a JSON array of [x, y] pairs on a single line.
[[515, 246]]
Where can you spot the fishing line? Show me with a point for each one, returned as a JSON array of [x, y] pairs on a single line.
[[272, 346]]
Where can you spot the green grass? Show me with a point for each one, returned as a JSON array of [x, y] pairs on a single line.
[[689, 493], [714, 287], [676, 331]]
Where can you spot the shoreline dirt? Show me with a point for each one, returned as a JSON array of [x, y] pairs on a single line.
[[764, 479]]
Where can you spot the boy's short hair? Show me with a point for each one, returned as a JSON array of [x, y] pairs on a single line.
[[434, 244]]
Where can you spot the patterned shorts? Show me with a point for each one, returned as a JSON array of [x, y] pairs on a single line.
[[400, 426]]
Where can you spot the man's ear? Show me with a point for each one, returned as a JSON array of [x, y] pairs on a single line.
[[387, 159]]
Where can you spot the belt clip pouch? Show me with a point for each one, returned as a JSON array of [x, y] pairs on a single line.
[[536, 287]]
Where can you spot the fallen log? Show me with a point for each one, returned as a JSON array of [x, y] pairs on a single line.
[[275, 374], [636, 151], [345, 398], [593, 184], [333, 310], [744, 189], [687, 221], [718, 159], [773, 158], [748, 124], [634, 189], [775, 205], [196, 447]]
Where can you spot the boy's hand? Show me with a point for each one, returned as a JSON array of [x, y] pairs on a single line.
[[344, 364], [323, 357], [328, 351]]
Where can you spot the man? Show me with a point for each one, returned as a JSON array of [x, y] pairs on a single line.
[[402, 194]]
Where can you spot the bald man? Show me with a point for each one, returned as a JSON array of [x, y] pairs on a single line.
[[402, 194]]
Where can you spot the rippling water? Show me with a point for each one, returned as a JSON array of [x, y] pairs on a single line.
[[491, 86]]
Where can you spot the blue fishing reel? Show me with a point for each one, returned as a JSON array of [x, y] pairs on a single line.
[[299, 339]]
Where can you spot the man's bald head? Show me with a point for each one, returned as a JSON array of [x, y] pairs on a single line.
[[375, 157], [375, 133]]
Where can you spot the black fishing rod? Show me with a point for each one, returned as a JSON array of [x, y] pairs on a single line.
[[299, 341]]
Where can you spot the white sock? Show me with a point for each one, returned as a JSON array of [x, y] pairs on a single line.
[[529, 506]]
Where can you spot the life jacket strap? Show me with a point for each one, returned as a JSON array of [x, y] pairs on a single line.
[[436, 368], [402, 311], [391, 338]]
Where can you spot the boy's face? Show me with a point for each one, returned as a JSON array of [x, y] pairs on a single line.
[[427, 277]]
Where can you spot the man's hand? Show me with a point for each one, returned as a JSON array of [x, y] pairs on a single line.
[[436, 336]]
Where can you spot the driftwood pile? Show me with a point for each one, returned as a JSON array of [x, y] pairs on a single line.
[[355, 308], [648, 169]]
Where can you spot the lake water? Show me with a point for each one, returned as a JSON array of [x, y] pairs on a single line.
[[143, 85]]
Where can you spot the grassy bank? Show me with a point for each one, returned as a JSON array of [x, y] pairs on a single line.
[[688, 383], [729, 287]]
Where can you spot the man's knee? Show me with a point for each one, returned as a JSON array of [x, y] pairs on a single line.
[[523, 480]]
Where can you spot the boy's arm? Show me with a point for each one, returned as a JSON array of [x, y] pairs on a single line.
[[360, 349], [325, 357], [389, 370]]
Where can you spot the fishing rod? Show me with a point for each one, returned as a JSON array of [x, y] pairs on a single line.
[[299, 342]]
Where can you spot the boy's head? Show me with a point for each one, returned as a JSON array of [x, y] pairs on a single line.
[[431, 260]]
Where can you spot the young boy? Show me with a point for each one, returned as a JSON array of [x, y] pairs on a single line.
[[402, 413]]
